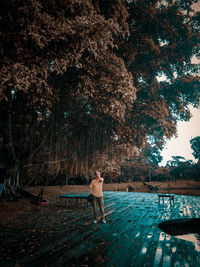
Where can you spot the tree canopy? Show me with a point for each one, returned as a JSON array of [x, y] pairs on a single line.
[[195, 145], [79, 80]]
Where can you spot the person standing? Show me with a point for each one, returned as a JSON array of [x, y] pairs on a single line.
[[96, 189]]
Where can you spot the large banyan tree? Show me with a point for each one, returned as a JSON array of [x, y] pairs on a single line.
[[80, 85]]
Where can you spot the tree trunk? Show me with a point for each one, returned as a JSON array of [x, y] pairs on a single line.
[[11, 182]]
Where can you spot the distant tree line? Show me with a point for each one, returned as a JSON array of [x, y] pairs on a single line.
[[145, 167]]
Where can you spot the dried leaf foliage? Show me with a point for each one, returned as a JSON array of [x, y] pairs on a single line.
[[41, 38]]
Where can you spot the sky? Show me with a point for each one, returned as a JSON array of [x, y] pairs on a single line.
[[180, 146], [196, 6]]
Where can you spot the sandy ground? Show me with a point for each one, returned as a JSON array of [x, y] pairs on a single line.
[[10, 211]]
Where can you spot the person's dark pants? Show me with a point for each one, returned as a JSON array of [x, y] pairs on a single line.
[[101, 205]]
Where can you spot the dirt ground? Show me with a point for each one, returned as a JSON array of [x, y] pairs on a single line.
[[10, 211]]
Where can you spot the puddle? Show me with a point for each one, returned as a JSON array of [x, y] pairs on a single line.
[[162, 236], [158, 255], [137, 234], [144, 250], [185, 229], [150, 235], [173, 249]]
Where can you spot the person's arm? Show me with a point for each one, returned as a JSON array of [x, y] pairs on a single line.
[[101, 179]]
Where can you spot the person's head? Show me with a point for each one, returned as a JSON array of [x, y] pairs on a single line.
[[98, 174]]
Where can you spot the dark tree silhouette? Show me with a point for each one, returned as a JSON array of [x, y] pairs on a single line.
[[195, 145]]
